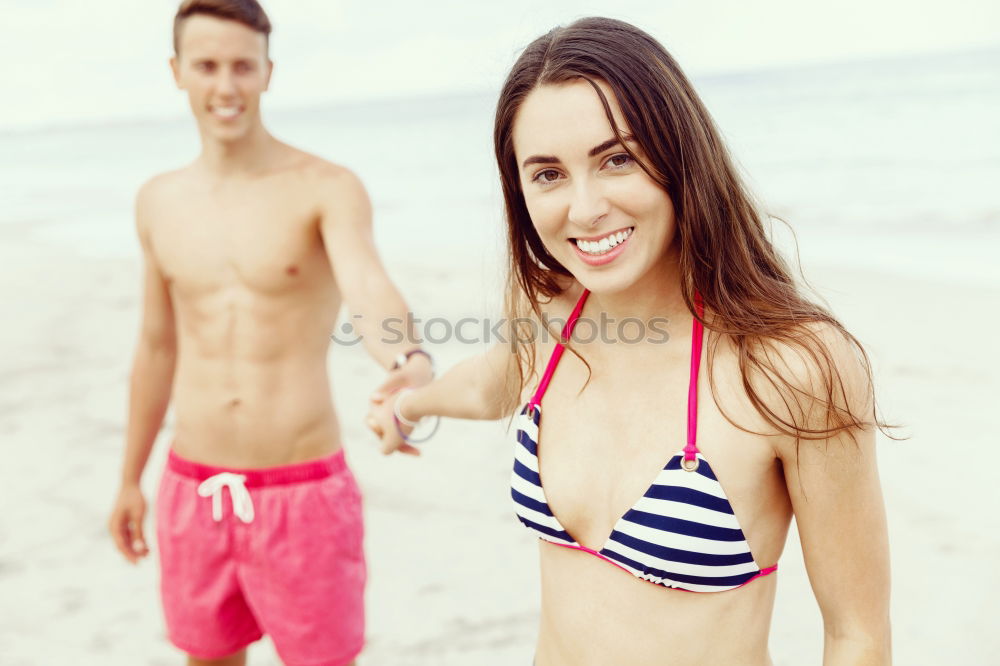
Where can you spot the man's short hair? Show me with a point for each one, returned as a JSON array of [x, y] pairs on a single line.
[[247, 12]]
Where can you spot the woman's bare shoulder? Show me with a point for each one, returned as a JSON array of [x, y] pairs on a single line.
[[797, 379]]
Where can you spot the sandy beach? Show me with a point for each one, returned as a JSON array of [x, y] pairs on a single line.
[[435, 598], [885, 171]]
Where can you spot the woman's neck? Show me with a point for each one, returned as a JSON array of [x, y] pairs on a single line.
[[656, 295]]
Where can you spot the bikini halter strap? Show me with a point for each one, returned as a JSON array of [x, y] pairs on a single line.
[[557, 353], [691, 448]]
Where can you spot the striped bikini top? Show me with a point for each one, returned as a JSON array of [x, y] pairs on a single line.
[[682, 533]]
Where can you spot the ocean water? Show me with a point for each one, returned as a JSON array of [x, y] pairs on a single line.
[[886, 164]]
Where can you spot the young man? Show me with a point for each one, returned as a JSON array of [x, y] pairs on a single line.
[[249, 253]]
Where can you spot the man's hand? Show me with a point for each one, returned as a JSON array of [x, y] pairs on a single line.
[[416, 372], [126, 523]]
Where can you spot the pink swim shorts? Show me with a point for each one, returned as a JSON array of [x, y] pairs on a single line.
[[275, 551]]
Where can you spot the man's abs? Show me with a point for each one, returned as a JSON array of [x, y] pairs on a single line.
[[251, 387], [245, 414]]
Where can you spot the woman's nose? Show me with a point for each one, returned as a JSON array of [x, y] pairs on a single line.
[[589, 205]]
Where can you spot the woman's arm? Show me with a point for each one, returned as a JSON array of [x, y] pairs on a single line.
[[837, 499], [840, 516], [482, 387]]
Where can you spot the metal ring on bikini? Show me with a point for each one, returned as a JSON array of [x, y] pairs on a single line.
[[689, 465]]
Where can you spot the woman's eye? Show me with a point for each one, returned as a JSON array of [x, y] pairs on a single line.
[[546, 176], [619, 161]]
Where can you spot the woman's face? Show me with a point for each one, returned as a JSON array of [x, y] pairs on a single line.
[[594, 208]]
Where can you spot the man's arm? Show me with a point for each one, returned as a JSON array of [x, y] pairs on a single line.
[[149, 391], [837, 499], [346, 227]]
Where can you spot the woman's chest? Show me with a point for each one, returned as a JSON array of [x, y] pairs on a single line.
[[601, 449]]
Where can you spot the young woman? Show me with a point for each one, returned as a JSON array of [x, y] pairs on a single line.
[[704, 400]]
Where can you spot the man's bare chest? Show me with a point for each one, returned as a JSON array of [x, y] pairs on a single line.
[[255, 240]]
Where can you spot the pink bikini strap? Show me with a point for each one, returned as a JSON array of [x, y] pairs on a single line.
[[558, 351], [691, 449]]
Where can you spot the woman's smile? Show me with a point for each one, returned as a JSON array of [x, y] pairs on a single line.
[[601, 250]]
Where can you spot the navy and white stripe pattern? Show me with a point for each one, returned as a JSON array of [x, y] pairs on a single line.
[[682, 533]]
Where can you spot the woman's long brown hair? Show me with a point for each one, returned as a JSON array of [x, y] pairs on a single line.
[[725, 254]]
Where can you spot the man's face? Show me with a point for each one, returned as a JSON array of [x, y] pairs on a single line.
[[224, 68]]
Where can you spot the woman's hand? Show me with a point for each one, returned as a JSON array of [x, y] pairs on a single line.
[[382, 422]]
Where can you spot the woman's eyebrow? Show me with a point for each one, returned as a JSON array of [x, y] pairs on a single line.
[[593, 152], [540, 159], [610, 143]]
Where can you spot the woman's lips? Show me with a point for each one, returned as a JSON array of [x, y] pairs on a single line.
[[607, 256]]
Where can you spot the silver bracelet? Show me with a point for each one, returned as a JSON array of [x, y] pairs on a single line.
[[398, 419], [397, 412]]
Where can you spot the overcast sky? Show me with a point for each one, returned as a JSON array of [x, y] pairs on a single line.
[[66, 61]]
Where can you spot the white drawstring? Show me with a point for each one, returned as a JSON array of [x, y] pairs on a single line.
[[242, 504]]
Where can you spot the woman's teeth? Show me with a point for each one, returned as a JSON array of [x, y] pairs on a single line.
[[226, 111], [605, 244]]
